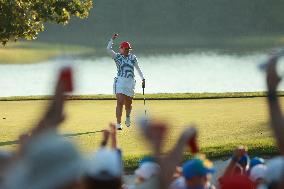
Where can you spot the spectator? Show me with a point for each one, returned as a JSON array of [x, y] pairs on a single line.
[[105, 168], [146, 176], [244, 163], [49, 162], [276, 119], [237, 182], [256, 161], [257, 174], [155, 132], [195, 175], [237, 165], [274, 173]]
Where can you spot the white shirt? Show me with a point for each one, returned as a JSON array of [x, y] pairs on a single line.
[[125, 64]]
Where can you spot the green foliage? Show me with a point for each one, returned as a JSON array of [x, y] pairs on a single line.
[[24, 19]]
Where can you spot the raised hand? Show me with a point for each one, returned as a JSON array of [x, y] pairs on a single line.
[[169, 162], [154, 132], [54, 114], [272, 79], [115, 36], [113, 136], [106, 134], [276, 116]]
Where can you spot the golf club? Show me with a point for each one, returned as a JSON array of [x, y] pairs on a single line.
[[143, 87]]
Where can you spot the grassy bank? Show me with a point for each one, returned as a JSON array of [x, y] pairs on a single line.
[[32, 52], [35, 52], [222, 124]]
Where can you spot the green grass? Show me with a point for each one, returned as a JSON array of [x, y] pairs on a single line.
[[33, 52], [222, 123]]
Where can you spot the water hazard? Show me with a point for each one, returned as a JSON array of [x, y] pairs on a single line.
[[179, 73]]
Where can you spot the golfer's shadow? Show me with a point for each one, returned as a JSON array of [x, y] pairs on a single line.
[[14, 142]]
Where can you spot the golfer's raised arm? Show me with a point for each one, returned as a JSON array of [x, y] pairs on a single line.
[[109, 48]]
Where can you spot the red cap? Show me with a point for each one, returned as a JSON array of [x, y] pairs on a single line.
[[125, 44]]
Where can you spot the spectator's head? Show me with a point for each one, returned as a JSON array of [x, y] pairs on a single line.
[[274, 173], [256, 161], [105, 170], [195, 172], [257, 173], [49, 162], [146, 171]]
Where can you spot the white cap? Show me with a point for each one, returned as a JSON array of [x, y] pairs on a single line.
[[105, 164], [147, 170], [274, 171], [49, 161], [258, 172]]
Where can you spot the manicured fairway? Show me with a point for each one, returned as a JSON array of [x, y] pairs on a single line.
[[222, 123]]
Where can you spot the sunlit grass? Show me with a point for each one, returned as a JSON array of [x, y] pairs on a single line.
[[222, 124]]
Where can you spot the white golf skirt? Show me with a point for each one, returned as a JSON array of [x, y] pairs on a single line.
[[124, 86]]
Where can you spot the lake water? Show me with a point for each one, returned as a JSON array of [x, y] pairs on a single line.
[[179, 73]]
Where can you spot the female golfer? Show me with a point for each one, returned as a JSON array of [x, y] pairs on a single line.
[[124, 82]]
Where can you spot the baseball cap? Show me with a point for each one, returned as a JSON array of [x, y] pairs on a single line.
[[197, 167], [255, 161], [105, 164], [49, 161], [274, 171], [125, 44], [147, 170], [258, 172]]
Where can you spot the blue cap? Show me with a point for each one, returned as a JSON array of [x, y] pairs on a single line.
[[146, 159], [255, 161], [197, 167]]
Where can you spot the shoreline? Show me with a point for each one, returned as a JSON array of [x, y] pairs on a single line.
[[157, 96]]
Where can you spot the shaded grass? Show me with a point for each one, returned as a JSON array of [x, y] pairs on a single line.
[[34, 51], [222, 123]]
